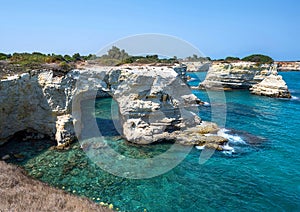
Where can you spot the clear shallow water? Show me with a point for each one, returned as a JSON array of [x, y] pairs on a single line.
[[262, 174]]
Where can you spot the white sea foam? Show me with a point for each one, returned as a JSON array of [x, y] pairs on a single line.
[[231, 138], [295, 98], [200, 147], [206, 104], [192, 79], [228, 150]]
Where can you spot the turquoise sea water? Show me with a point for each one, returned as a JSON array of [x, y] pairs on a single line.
[[261, 174]]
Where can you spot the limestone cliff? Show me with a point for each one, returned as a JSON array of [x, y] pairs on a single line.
[[246, 75], [197, 66], [272, 86], [154, 104], [288, 66], [232, 76], [38, 104]]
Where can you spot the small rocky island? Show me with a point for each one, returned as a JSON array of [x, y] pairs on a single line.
[[260, 80]]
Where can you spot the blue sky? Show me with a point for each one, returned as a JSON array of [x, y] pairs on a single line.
[[218, 28]]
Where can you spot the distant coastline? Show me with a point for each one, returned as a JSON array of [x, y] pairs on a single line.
[[288, 65]]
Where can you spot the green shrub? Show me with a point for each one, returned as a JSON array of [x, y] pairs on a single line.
[[90, 57], [68, 58], [258, 58], [231, 58], [4, 56], [64, 66], [77, 57], [27, 57]]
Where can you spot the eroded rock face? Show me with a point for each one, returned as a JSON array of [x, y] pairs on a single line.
[[34, 103], [246, 75], [154, 104], [153, 101], [197, 66], [288, 66], [272, 86], [232, 76]]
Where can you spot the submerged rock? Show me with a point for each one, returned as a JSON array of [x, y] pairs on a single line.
[[6, 157], [214, 146]]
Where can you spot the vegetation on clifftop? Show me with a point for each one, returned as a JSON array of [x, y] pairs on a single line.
[[24, 62], [196, 58], [116, 56], [230, 59], [11, 64], [258, 58]]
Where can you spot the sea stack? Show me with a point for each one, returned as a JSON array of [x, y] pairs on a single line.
[[272, 86], [260, 80]]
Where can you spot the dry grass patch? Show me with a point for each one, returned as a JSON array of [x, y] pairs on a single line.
[[19, 192]]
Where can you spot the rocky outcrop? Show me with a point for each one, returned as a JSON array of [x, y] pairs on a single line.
[[37, 103], [288, 66], [197, 66], [272, 86], [246, 75], [232, 76], [154, 104]]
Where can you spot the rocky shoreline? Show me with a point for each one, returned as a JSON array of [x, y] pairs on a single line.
[[154, 104], [261, 80], [204, 66], [288, 66]]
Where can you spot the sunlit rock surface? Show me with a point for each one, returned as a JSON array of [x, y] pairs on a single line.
[[261, 80], [154, 103], [272, 86]]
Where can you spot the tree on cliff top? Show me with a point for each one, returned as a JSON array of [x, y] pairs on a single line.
[[231, 58], [114, 56], [258, 58], [115, 53], [4, 56], [196, 58]]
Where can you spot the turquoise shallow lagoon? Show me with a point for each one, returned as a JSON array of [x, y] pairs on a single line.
[[261, 174]]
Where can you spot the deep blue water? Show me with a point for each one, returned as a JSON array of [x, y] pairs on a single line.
[[262, 174]]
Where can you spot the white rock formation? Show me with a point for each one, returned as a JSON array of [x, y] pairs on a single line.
[[35, 103], [197, 66], [288, 66], [272, 86], [232, 76], [246, 75], [154, 104]]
